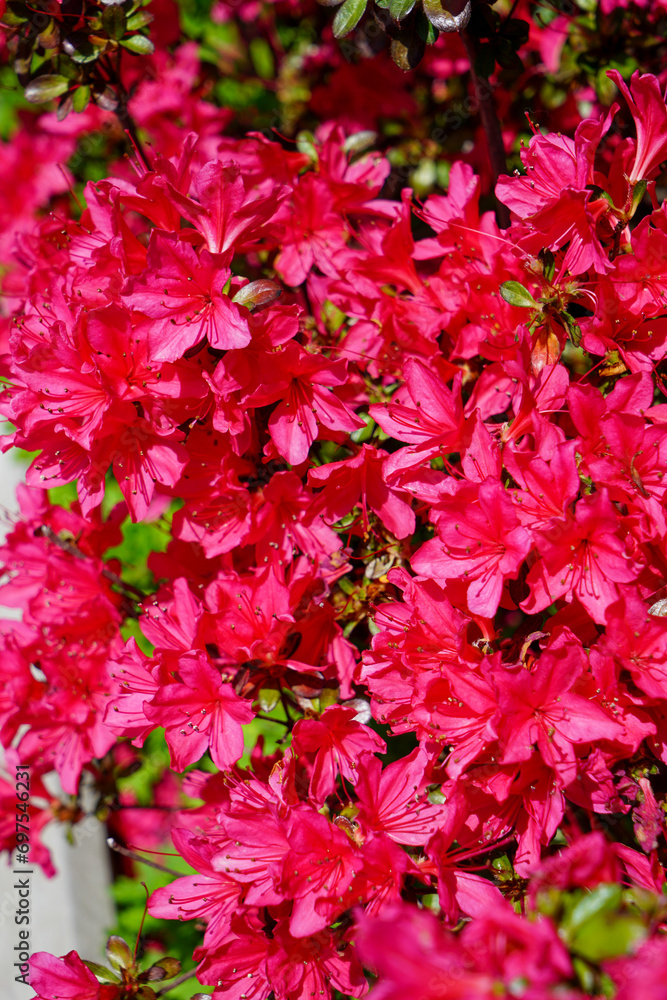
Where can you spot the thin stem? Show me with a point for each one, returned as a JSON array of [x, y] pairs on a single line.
[[491, 126], [73, 549], [141, 925], [278, 722], [115, 846], [183, 978], [509, 17]]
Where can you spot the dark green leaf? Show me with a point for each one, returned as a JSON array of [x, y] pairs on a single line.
[[114, 22], [485, 60], [81, 50], [517, 30], [426, 31], [548, 264], [506, 55], [486, 21], [573, 328]]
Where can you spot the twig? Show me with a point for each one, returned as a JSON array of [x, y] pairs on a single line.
[[73, 549], [184, 976], [509, 17], [267, 718], [115, 846]]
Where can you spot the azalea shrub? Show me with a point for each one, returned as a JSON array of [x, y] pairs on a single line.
[[336, 344]]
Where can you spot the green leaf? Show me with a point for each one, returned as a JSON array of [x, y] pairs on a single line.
[[573, 328], [514, 293], [603, 899], [15, 14], [86, 53], [166, 968], [81, 98], [139, 20], [138, 44], [399, 9], [114, 22], [517, 30], [426, 31], [101, 973], [407, 50], [49, 38], [506, 55], [139, 540], [268, 698], [364, 433], [119, 954], [638, 192], [305, 143], [145, 993], [359, 141], [261, 292], [548, 264], [348, 17], [262, 58], [45, 88], [329, 696]]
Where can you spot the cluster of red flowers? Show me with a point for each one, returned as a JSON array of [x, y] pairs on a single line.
[[337, 394]]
